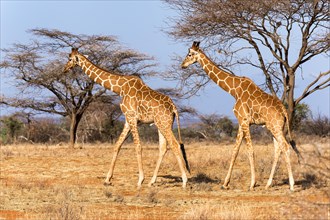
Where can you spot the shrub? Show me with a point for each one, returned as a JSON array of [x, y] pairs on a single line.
[[319, 125]]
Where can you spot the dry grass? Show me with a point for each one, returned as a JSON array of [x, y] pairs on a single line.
[[55, 182], [204, 212]]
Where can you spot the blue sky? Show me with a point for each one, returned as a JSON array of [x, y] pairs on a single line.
[[138, 25]]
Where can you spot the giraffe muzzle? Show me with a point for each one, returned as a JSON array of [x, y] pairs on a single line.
[[183, 66], [66, 69]]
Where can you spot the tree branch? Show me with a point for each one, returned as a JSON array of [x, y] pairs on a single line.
[[322, 85]]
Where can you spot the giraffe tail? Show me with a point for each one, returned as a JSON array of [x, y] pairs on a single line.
[[294, 147], [183, 151], [291, 141], [185, 157]]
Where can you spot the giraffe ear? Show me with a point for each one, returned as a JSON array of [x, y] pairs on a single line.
[[196, 44], [74, 50]]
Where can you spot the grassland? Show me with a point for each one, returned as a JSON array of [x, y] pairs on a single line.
[[55, 182]]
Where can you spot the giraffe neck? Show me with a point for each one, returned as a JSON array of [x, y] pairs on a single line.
[[102, 77], [215, 73]]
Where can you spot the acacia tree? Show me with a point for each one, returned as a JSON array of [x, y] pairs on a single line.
[[37, 72], [275, 37]]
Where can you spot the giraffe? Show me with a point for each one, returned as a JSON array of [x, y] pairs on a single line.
[[139, 104], [253, 106]]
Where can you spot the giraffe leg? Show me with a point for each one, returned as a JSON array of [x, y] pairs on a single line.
[[118, 145], [175, 147], [284, 147], [233, 156], [136, 139], [288, 163], [162, 151], [250, 151], [277, 153]]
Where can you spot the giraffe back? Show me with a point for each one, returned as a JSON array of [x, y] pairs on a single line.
[[146, 103], [257, 105]]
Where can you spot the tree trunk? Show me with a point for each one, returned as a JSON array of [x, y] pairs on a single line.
[[290, 97], [75, 119]]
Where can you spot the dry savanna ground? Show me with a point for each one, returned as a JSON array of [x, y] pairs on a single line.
[[55, 182]]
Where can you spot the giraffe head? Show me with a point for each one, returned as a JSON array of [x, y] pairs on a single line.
[[73, 60], [192, 56]]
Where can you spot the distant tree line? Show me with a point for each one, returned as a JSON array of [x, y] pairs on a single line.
[[103, 122]]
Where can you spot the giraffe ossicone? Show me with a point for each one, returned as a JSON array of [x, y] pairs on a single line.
[[139, 104], [253, 106]]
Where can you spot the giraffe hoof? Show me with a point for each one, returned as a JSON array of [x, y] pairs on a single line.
[[267, 186], [107, 184], [224, 187]]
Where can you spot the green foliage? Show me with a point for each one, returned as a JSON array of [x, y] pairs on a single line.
[[10, 128], [226, 126], [300, 114]]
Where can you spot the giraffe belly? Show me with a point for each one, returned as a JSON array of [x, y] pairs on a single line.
[[146, 120], [145, 115], [258, 119]]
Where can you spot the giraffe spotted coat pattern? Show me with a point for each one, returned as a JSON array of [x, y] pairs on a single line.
[[253, 106], [139, 104]]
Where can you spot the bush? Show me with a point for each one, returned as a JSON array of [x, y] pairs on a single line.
[[319, 125], [48, 130], [11, 128], [300, 115], [215, 127]]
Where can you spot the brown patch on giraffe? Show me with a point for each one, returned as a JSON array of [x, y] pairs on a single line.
[[229, 81], [257, 93], [132, 92], [237, 82], [121, 82], [106, 84]]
